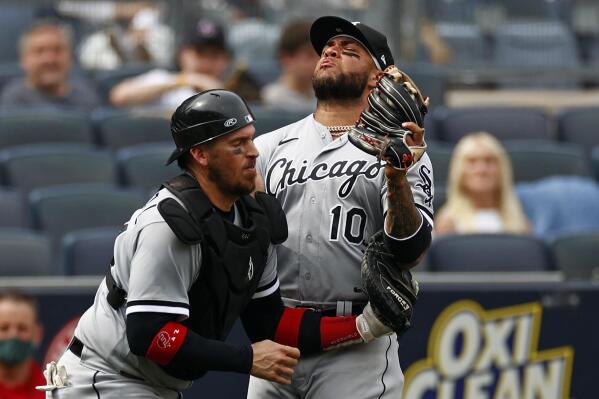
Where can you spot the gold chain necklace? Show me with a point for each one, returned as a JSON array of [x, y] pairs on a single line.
[[338, 130]]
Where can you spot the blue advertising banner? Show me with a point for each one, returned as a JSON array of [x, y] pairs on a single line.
[[469, 341]]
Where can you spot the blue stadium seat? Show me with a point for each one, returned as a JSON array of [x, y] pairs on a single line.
[[489, 252], [142, 166], [88, 251], [122, 129], [505, 123], [579, 125], [8, 72], [268, 120], [467, 43], [254, 43], [440, 197], [107, 79], [577, 255], [12, 209], [27, 167], [535, 44], [560, 205], [33, 126], [58, 210], [536, 159], [431, 81], [24, 253], [595, 162], [14, 19], [440, 154]]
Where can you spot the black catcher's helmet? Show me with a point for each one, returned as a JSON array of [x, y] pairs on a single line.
[[205, 116]]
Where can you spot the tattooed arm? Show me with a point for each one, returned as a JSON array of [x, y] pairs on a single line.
[[407, 231]]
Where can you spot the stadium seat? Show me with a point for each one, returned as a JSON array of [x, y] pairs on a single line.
[[440, 155], [43, 126], [142, 166], [8, 72], [61, 209], [431, 81], [440, 197], [579, 125], [488, 252], [466, 41], [24, 253], [123, 129], [595, 161], [505, 123], [560, 205], [268, 120], [107, 79], [535, 44], [88, 251], [12, 209], [27, 167], [254, 43], [533, 160], [14, 19], [577, 255]]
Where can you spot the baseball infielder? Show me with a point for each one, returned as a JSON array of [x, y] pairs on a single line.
[[335, 197]]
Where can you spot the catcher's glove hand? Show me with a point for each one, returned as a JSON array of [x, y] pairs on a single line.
[[396, 99], [391, 291]]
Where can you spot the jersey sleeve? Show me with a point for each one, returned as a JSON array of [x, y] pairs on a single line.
[[269, 282], [421, 182], [162, 271]]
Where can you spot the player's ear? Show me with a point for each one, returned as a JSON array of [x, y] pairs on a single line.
[[374, 77], [200, 154]]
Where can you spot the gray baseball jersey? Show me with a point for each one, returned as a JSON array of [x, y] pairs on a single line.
[[334, 196], [157, 271]]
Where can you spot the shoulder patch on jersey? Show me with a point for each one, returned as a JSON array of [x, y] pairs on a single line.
[[425, 184]]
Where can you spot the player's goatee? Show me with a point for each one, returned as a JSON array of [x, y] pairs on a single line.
[[345, 86]]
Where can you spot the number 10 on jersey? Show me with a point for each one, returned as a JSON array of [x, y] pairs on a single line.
[[350, 223]]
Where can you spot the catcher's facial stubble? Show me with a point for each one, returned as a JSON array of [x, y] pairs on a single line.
[[231, 162]]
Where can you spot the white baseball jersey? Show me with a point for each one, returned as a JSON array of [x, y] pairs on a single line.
[[157, 272], [334, 196]]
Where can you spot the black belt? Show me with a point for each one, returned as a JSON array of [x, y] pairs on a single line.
[[76, 347]]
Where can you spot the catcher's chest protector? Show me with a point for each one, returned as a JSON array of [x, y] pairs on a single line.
[[233, 257]]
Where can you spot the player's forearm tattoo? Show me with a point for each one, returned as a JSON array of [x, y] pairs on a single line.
[[403, 218]]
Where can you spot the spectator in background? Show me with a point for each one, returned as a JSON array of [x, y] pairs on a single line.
[[45, 55], [20, 333], [202, 61], [480, 194], [145, 38], [293, 90]]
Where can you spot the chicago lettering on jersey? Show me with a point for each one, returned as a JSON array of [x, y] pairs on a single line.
[[290, 175]]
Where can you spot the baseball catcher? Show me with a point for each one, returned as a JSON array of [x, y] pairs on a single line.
[[395, 100], [391, 291]]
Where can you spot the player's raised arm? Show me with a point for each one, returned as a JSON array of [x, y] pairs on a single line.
[[391, 128]]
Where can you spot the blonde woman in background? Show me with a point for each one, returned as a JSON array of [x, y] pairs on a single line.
[[480, 193]]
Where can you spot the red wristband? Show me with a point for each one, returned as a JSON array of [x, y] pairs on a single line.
[[166, 343], [289, 326], [336, 331]]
